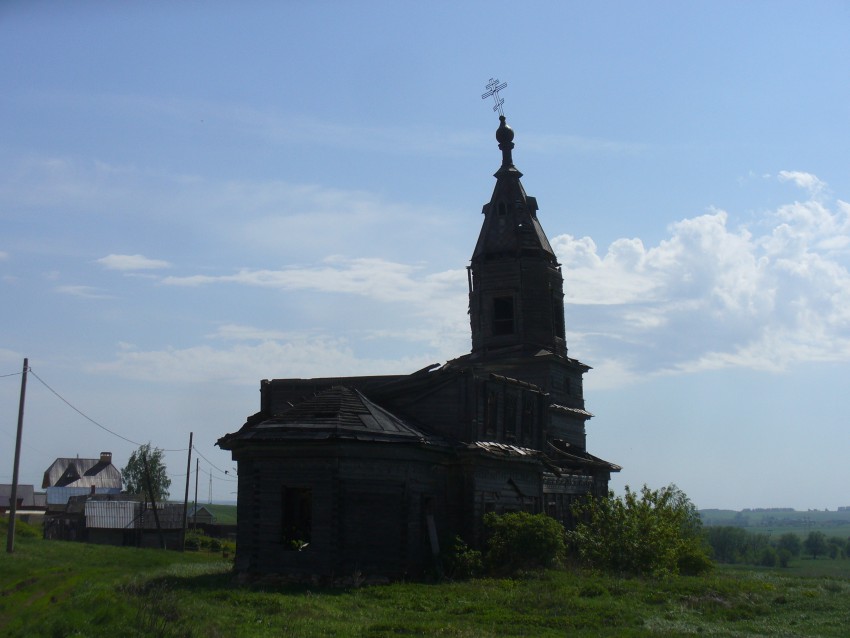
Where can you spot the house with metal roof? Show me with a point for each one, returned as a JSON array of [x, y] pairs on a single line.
[[26, 496], [67, 477], [372, 475], [116, 519]]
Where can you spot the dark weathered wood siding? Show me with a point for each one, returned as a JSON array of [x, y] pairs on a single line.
[[367, 509]]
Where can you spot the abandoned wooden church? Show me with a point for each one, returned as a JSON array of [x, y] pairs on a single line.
[[370, 474]]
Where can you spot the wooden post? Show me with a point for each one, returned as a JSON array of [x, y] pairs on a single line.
[[13, 505], [195, 504], [186, 495]]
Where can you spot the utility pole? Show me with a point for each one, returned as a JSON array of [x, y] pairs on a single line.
[[186, 495], [13, 505], [195, 517]]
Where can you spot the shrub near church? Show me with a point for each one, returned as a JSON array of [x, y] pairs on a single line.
[[654, 532]]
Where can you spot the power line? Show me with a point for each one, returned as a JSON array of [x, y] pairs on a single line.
[[13, 374], [88, 418], [208, 461], [80, 412]]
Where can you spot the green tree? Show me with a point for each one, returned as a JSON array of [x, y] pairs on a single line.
[[836, 547], [521, 541], [791, 542], [653, 532], [134, 473], [815, 543], [768, 557], [728, 544]]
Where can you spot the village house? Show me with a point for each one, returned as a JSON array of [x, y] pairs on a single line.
[[373, 475], [67, 477], [25, 497], [30, 505], [200, 515], [116, 519]]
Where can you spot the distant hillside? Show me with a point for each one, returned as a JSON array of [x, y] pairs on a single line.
[[224, 514], [834, 523]]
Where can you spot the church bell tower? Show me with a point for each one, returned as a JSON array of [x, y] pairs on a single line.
[[516, 291]]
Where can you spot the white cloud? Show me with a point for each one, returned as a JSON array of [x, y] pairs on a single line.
[[371, 278], [712, 296], [131, 262], [246, 364], [804, 180], [3, 255], [84, 292], [234, 332]]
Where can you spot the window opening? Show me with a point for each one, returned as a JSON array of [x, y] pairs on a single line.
[[558, 315], [297, 517], [503, 315]]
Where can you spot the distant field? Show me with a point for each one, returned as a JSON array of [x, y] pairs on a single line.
[[224, 514], [54, 588], [774, 522]]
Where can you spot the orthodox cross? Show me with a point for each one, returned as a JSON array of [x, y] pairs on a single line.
[[493, 87]]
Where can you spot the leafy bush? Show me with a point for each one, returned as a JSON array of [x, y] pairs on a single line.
[[196, 540], [521, 541], [790, 542], [815, 543], [654, 532], [694, 560], [768, 557], [836, 547], [461, 562], [735, 545]]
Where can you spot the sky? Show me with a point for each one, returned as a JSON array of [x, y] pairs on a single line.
[[196, 196]]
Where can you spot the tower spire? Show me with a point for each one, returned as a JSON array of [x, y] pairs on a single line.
[[516, 288]]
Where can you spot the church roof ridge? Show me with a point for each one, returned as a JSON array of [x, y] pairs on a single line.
[[336, 412]]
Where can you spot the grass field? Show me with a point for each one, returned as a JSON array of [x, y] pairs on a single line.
[[775, 523], [224, 514], [52, 588]]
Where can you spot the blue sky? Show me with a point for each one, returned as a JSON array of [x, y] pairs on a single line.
[[196, 196]]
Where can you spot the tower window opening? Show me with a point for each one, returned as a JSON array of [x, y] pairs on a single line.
[[557, 315], [503, 315]]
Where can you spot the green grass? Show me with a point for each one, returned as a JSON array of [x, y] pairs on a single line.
[[224, 514], [52, 588]]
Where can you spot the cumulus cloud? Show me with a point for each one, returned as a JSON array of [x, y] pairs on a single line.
[[804, 180], [132, 262], [712, 295]]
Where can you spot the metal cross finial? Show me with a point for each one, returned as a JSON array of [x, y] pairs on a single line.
[[493, 87]]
